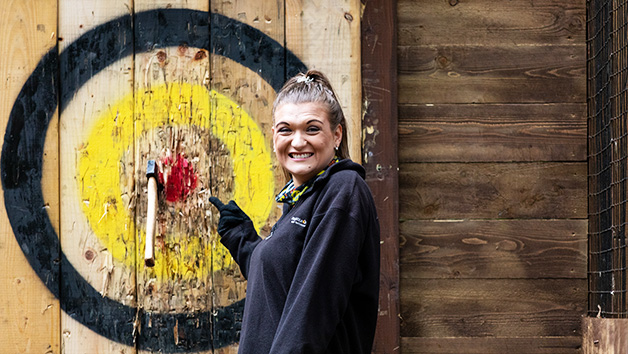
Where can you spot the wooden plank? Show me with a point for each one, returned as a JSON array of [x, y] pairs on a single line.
[[604, 335], [565, 61], [492, 307], [97, 231], [492, 74], [379, 127], [491, 345], [485, 191], [482, 22], [480, 249], [171, 109], [325, 34], [244, 86], [29, 312], [492, 132]]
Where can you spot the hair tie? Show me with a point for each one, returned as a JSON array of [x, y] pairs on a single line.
[[305, 78]]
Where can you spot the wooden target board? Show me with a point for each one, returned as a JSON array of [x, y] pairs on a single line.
[[97, 90]]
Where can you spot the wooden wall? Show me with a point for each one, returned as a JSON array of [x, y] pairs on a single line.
[[492, 157]]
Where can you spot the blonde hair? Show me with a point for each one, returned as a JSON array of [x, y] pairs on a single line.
[[313, 86]]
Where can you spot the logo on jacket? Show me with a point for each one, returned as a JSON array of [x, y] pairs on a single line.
[[298, 221]]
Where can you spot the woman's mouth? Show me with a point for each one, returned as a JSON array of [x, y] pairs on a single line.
[[300, 156]]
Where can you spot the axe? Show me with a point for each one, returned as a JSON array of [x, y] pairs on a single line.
[[152, 172]]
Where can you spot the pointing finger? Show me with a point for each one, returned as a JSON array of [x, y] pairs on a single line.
[[217, 203]]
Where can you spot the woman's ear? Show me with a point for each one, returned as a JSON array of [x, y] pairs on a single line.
[[338, 135]]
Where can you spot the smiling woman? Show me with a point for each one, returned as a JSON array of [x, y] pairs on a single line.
[[315, 278], [304, 140]]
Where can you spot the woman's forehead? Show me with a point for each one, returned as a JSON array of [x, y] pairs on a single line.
[[299, 112]]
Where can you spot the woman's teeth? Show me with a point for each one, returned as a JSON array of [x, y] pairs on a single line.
[[300, 156]]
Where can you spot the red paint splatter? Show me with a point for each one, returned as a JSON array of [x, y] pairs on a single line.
[[181, 178]]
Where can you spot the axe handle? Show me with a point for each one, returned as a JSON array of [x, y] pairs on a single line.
[[151, 221]]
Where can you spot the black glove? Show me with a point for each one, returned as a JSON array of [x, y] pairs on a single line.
[[230, 215]]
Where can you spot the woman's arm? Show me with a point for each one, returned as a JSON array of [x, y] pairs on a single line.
[[237, 233]]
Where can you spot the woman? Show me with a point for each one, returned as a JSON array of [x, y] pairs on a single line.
[[313, 283]]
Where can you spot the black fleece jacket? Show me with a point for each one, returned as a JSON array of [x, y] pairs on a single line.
[[313, 283]]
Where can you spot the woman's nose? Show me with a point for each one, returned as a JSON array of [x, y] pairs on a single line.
[[298, 140]]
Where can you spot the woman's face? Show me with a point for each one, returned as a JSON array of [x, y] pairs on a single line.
[[304, 140]]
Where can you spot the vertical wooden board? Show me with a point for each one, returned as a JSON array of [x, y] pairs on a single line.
[[172, 108], [242, 82], [379, 80], [325, 34], [29, 312], [96, 231], [604, 335]]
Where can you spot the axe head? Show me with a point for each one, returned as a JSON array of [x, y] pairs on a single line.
[[152, 170]]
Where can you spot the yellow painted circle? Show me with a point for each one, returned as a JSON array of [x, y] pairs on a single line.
[[105, 182]]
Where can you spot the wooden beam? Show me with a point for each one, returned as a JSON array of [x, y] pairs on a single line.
[[492, 345], [487, 22], [461, 308], [325, 35], [171, 113], [29, 311], [604, 335], [244, 86], [379, 129], [492, 249], [492, 132], [487, 190], [86, 232]]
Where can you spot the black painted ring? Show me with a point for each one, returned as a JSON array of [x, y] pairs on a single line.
[[22, 160]]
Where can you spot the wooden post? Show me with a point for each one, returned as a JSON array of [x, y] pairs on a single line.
[[379, 79], [29, 312], [244, 87], [97, 228], [172, 108], [604, 335], [325, 34]]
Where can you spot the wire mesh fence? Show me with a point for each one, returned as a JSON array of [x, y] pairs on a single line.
[[607, 102]]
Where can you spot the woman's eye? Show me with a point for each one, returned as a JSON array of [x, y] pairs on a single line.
[[313, 129], [283, 130]]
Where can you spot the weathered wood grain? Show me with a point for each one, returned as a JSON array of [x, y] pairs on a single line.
[[491, 345], [493, 177], [492, 132], [486, 22], [492, 74], [492, 308], [172, 114], [493, 249], [485, 191], [29, 312], [245, 87], [379, 129], [542, 61], [604, 335], [325, 34], [91, 252]]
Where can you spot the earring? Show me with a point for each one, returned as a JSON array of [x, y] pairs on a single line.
[[336, 148]]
